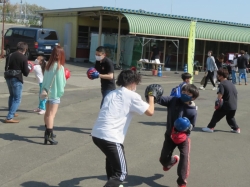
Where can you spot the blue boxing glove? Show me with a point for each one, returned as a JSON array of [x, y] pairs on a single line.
[[94, 75]]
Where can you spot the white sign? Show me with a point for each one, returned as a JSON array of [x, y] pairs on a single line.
[[231, 57]]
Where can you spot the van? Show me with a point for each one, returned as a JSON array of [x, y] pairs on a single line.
[[41, 41]]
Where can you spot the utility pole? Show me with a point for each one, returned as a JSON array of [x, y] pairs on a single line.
[[2, 49]]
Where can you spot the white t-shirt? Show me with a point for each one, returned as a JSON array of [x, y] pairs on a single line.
[[116, 113], [38, 73]]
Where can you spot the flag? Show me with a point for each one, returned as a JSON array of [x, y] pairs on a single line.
[[191, 48]]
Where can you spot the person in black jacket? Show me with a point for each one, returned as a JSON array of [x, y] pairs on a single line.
[[242, 64], [16, 66], [185, 107]]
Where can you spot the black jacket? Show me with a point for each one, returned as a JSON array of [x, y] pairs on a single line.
[[17, 61], [242, 62]]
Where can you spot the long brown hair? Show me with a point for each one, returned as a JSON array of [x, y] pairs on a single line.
[[42, 63], [58, 56]]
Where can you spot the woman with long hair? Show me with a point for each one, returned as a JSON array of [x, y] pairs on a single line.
[[39, 69], [54, 82]]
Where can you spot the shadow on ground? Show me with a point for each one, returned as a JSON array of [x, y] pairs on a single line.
[[15, 137], [153, 123], [131, 180], [73, 129]]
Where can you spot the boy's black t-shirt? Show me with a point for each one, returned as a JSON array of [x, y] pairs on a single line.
[[229, 92], [106, 67], [175, 106]]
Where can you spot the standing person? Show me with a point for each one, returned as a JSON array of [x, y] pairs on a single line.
[[211, 67], [54, 82], [105, 68], [155, 54], [234, 68], [16, 66], [114, 118], [242, 63], [176, 92], [169, 55], [39, 69], [226, 103], [218, 61], [184, 107]]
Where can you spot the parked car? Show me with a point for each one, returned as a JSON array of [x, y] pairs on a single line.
[[41, 41]]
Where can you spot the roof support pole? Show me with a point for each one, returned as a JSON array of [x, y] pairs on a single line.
[[218, 49], [239, 48], [164, 52], [118, 43], [100, 31], [204, 54], [183, 52]]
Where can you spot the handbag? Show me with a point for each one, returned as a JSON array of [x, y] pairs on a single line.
[[10, 73], [45, 93], [203, 80]]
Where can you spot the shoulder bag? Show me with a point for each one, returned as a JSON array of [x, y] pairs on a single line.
[[10, 73]]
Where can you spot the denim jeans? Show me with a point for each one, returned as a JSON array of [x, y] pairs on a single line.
[[42, 103], [167, 61], [234, 78], [15, 89], [244, 72], [104, 93]]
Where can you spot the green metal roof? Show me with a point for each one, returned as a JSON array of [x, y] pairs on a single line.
[[143, 12], [160, 26]]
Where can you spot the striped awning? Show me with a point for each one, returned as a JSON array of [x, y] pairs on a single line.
[[167, 27]]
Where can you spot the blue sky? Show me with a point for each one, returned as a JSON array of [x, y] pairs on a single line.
[[224, 10]]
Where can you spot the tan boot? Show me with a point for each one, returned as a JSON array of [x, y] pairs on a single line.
[[11, 121]]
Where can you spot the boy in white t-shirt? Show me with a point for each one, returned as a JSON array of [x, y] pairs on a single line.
[[39, 69], [113, 121]]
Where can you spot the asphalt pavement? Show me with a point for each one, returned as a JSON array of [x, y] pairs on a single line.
[[219, 159]]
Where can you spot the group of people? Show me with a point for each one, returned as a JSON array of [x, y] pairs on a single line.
[[110, 128], [50, 77], [239, 64]]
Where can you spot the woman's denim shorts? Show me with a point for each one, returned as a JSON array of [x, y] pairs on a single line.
[[53, 101]]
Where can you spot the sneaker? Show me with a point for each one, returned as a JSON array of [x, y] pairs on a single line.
[[37, 110], [202, 88], [206, 129], [214, 88], [41, 112], [177, 158], [236, 131]]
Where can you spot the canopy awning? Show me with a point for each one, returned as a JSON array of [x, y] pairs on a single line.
[[166, 27]]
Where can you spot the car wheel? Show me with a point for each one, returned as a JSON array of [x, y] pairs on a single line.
[[7, 51]]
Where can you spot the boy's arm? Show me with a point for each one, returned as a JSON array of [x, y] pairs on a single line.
[[165, 100]]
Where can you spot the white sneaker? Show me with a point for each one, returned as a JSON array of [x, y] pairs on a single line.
[[214, 88], [37, 110], [206, 129], [236, 131], [202, 88], [41, 112]]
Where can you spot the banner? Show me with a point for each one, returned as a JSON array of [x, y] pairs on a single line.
[[191, 49]]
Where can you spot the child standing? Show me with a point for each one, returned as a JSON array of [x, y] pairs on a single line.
[[39, 69], [184, 107]]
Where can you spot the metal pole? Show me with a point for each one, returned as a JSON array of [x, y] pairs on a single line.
[[118, 43], [2, 53], [204, 53], [100, 31], [177, 58], [164, 52]]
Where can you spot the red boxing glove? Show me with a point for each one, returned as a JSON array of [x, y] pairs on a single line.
[[218, 104], [67, 73], [30, 66]]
